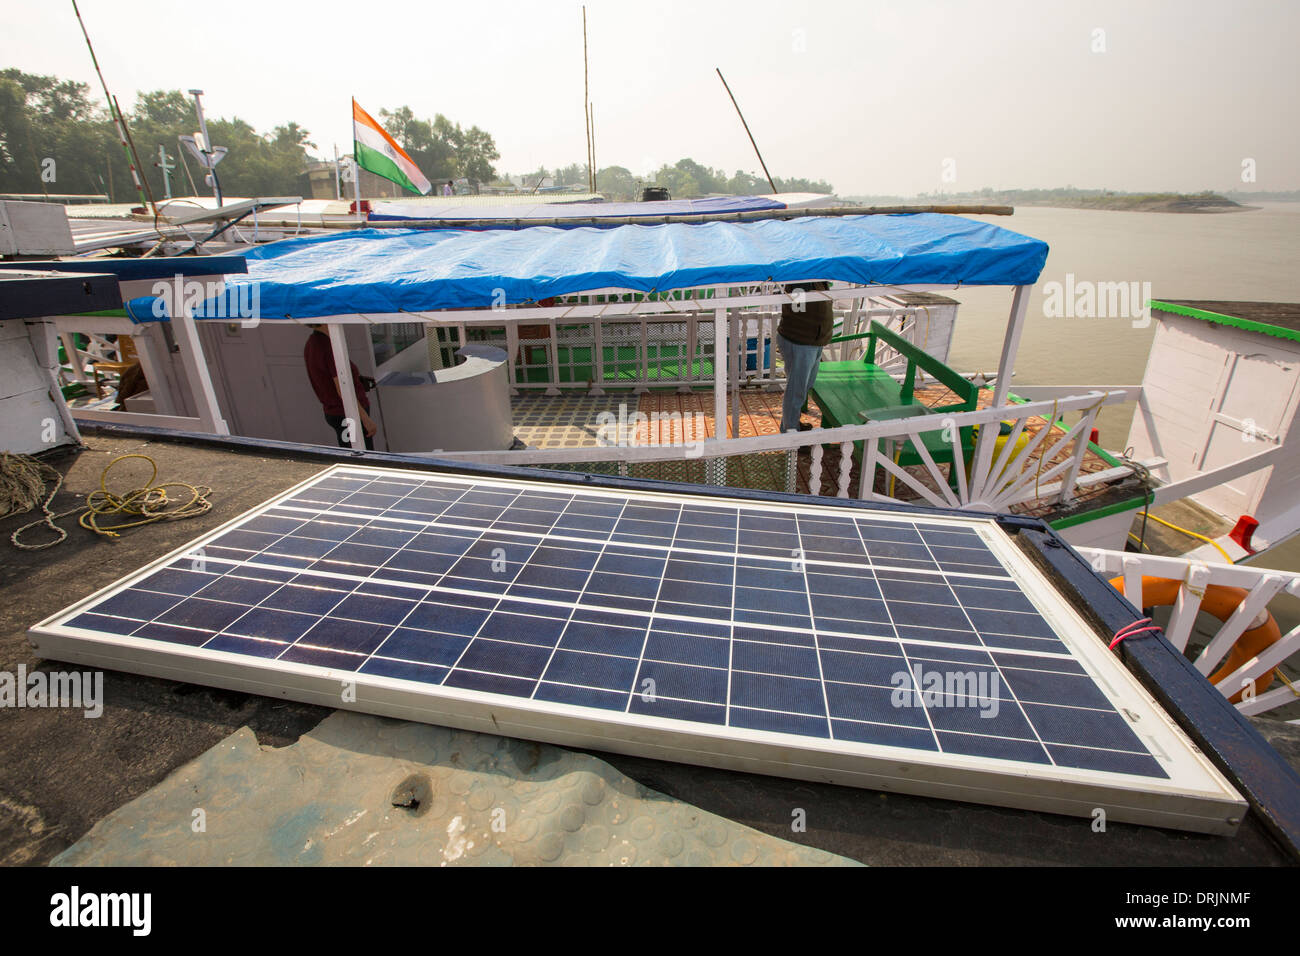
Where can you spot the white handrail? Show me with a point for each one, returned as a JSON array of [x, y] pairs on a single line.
[[1261, 585]]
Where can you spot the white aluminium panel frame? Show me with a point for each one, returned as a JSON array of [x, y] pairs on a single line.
[[1194, 797]]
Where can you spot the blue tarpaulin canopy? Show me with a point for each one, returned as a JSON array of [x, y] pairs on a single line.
[[406, 270]]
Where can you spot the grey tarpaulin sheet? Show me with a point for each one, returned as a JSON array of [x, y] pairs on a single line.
[[481, 800]]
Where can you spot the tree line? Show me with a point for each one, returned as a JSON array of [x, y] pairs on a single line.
[[55, 137], [684, 179]]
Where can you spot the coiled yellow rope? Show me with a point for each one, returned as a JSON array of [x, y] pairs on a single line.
[[22, 487]]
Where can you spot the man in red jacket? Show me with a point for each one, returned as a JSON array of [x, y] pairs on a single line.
[[319, 356]]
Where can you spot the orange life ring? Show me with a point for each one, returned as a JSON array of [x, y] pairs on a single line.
[[1219, 600]]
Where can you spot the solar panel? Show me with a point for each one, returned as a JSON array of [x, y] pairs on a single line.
[[889, 649]]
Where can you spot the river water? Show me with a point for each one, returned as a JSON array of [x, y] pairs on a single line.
[[1241, 255]]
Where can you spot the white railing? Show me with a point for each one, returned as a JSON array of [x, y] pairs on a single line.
[[674, 350], [1260, 586], [992, 479]]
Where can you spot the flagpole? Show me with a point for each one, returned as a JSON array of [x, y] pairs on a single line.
[[356, 167], [338, 193]]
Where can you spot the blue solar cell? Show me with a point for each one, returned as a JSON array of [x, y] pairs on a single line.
[[404, 670], [797, 695], [592, 670], [491, 683], [283, 626], [780, 723], [581, 696], [677, 709], [1111, 760], [603, 639], [501, 657], [1087, 728], [138, 604], [862, 668], [875, 704], [358, 637], [255, 646], [426, 647], [682, 682], [205, 615], [174, 581], [775, 659], [1002, 748], [886, 735], [771, 599], [105, 623], [687, 649]]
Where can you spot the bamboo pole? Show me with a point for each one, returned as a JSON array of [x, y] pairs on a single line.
[[749, 216], [770, 182], [591, 134], [586, 101], [113, 112]]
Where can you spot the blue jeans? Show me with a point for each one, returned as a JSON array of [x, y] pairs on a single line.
[[800, 373]]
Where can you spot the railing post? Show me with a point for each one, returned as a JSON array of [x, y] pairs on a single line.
[[867, 480], [815, 471], [1076, 459], [846, 468], [720, 373], [598, 359], [553, 350], [643, 363], [692, 343]]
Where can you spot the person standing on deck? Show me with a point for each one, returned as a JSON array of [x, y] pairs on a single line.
[[319, 356], [805, 329], [449, 189]]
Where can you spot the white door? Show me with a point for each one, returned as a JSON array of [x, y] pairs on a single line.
[[1245, 419]]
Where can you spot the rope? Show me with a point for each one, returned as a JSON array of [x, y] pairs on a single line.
[[22, 487]]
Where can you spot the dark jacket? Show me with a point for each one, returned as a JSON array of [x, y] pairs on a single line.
[[319, 356], [811, 325]]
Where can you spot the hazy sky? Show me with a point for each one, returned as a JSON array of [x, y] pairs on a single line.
[[871, 96]]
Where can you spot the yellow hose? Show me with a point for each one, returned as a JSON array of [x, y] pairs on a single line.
[[1200, 537]]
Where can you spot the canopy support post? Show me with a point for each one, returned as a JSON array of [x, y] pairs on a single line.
[[196, 370], [720, 360], [347, 389], [1011, 344], [983, 453]]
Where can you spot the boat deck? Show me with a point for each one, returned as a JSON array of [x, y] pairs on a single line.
[[150, 728], [671, 417]]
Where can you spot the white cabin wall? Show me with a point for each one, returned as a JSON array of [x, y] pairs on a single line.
[[1276, 511], [30, 421], [1190, 363]]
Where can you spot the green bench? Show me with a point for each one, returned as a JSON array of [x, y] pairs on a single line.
[[854, 392]]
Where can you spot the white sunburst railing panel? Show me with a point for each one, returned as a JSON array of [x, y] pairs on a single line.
[[952, 489]]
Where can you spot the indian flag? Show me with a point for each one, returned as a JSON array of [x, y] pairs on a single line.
[[378, 152]]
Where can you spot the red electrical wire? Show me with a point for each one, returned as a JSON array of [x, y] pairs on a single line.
[[1128, 630]]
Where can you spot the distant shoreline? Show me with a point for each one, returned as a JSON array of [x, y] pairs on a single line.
[[1179, 203], [1171, 204]]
